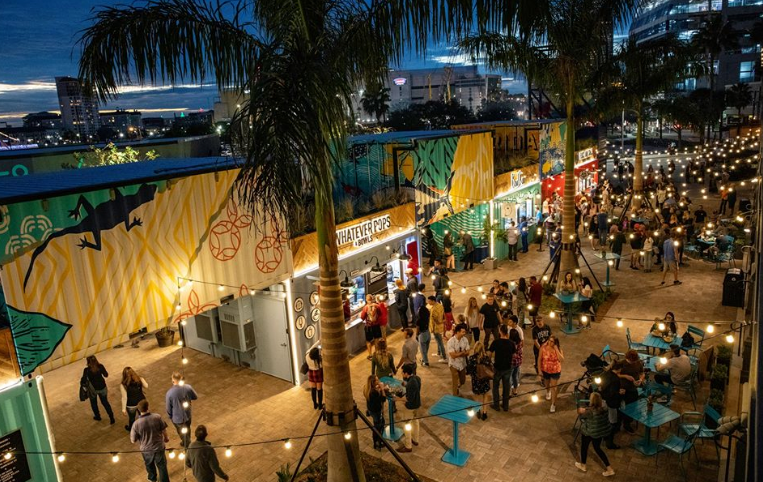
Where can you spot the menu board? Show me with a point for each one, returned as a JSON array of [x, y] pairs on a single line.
[[15, 469]]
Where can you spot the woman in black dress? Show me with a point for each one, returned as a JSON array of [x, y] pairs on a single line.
[[480, 385], [94, 378]]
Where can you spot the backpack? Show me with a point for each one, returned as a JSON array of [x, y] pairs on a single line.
[[687, 339]]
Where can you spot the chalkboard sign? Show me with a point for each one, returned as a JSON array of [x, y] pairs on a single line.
[[15, 469]]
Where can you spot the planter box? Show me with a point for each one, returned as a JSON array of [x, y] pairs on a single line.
[[165, 339], [490, 263]]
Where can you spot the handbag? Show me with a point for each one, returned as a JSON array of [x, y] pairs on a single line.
[[304, 368], [83, 393], [485, 371], [86, 389]]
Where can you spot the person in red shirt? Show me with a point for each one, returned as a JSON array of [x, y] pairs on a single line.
[[536, 295], [382, 306]]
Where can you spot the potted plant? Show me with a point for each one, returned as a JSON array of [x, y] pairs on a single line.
[[165, 336], [720, 377], [490, 262], [716, 400], [723, 355]]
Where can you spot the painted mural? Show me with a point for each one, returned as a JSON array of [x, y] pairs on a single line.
[[369, 170], [552, 148], [471, 220], [451, 174], [81, 272]]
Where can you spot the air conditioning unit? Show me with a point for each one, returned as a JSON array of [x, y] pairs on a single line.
[[236, 324], [205, 326]]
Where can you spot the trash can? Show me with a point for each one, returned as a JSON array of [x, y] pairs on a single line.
[[733, 288], [744, 205]]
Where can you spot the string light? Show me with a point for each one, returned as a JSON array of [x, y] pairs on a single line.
[[8, 456], [619, 323], [172, 454], [180, 342], [408, 427], [663, 360], [710, 328], [347, 436], [597, 380], [115, 457], [61, 457], [229, 452], [181, 456], [185, 361], [185, 405], [730, 338], [287, 444], [534, 398], [470, 412]]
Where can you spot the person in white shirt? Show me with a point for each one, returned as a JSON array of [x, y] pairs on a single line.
[[458, 351], [678, 366], [512, 238]]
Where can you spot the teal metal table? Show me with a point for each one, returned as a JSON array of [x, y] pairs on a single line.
[[567, 301], [660, 415], [656, 342], [391, 431], [454, 409], [608, 256]]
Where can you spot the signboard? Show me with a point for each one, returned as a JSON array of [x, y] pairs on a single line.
[[15, 469], [517, 179], [363, 232], [585, 155], [399, 81]]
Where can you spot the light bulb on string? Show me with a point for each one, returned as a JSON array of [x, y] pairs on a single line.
[[228, 452], [463, 290], [710, 328], [61, 457], [181, 456], [470, 412], [8, 456], [287, 444], [347, 436], [220, 288], [185, 405], [730, 338], [663, 360], [172, 454], [115, 458], [408, 427], [619, 323], [597, 380], [180, 342], [184, 430], [185, 361], [534, 398]]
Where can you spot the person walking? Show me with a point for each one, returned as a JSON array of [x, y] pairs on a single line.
[[432, 247], [402, 297], [314, 362], [410, 350], [412, 406], [437, 326], [458, 351], [477, 365], [595, 428], [523, 231], [94, 378], [648, 254], [536, 297], [447, 251], [670, 260], [132, 392], [490, 318], [383, 363], [541, 332], [472, 315], [468, 244], [202, 459], [373, 391], [516, 359], [503, 350], [550, 361], [383, 318], [178, 401], [150, 431], [616, 244], [520, 300], [423, 335], [512, 238]]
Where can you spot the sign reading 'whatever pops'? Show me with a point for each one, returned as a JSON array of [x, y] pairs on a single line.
[[363, 232]]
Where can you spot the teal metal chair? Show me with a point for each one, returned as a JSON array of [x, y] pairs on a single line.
[[609, 355], [680, 446], [705, 424], [633, 345], [699, 336], [725, 256], [690, 385]]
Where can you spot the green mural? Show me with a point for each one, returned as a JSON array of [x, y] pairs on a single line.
[[36, 336]]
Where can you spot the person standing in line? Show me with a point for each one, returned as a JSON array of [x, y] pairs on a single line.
[[595, 428], [536, 297], [437, 326], [383, 363], [468, 244], [423, 335], [602, 221], [402, 296], [315, 376], [447, 310], [412, 285], [512, 238], [132, 392], [447, 250], [541, 333], [202, 459], [731, 198], [178, 401], [503, 350], [375, 398], [480, 384], [151, 432], [383, 318], [669, 260], [490, 318], [472, 315], [724, 200], [94, 377], [524, 233], [516, 359], [520, 301], [412, 405], [458, 351], [550, 361]]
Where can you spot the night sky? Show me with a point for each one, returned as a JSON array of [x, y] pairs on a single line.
[[38, 42]]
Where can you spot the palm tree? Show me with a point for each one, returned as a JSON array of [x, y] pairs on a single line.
[[641, 71], [715, 36], [375, 101], [739, 96], [297, 63], [561, 52]]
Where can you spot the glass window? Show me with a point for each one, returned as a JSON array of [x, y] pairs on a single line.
[[746, 71], [393, 273], [357, 294]]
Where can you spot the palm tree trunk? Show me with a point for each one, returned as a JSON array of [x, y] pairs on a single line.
[[639, 166], [569, 258], [344, 464]]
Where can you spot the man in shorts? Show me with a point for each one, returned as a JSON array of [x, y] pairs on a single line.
[[370, 315], [669, 260]]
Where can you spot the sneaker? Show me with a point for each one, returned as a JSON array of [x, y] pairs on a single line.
[[608, 473], [581, 467], [442, 360], [426, 364], [415, 443], [553, 408], [484, 415], [548, 395], [404, 450], [97, 418], [676, 282]]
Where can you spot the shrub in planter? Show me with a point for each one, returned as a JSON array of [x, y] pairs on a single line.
[[720, 377], [165, 337], [723, 355], [716, 400]]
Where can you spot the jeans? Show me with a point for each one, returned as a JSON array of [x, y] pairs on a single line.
[[424, 339], [156, 462], [476, 334], [469, 260], [488, 332], [403, 317], [502, 377], [663, 378], [103, 395], [184, 439], [520, 314], [378, 418], [513, 251], [524, 244], [131, 413], [596, 447], [515, 374], [440, 345], [457, 378], [413, 435]]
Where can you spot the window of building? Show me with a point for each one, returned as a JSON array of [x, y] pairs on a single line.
[[746, 71]]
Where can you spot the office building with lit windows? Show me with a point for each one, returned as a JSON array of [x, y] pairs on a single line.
[[79, 112]]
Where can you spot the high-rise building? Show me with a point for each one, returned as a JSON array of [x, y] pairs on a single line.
[[125, 123], [684, 18], [79, 112]]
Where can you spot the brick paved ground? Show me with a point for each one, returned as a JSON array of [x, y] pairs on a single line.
[[528, 443]]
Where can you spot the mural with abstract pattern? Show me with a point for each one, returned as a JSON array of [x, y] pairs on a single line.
[[81, 272], [552, 148]]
